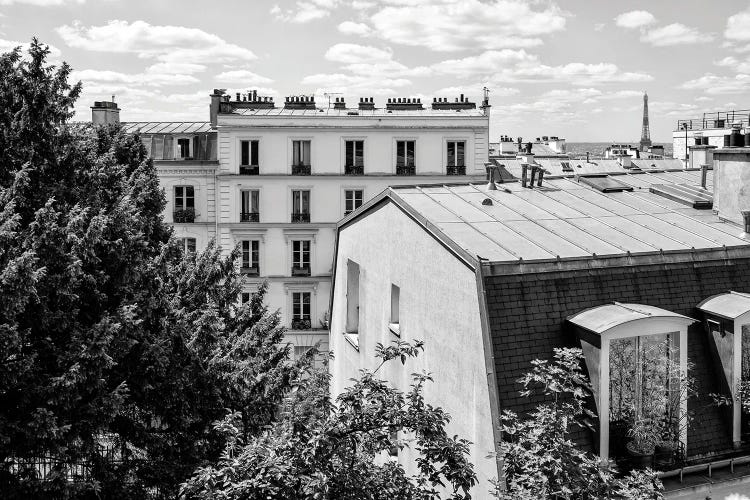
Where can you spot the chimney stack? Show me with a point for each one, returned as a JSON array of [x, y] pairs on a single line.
[[213, 109], [105, 113]]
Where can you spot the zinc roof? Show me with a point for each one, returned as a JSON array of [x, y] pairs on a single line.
[[602, 318], [166, 127], [728, 305], [567, 219], [382, 112]]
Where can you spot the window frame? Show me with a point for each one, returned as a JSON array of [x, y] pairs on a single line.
[[347, 190], [183, 205], [250, 256], [406, 141], [250, 143], [253, 200]]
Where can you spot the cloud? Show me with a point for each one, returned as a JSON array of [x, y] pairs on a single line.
[[352, 28], [304, 11], [713, 84], [146, 79], [176, 67], [454, 25], [738, 27], [351, 53], [739, 66], [243, 76], [675, 34], [485, 63], [43, 3], [165, 43], [349, 84], [635, 19]]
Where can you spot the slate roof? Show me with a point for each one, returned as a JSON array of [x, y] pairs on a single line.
[[354, 112], [166, 127]]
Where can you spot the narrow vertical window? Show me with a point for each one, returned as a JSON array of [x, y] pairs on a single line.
[[250, 205], [249, 160], [183, 145], [352, 297], [184, 204], [405, 157], [300, 206], [301, 258], [251, 256], [245, 297], [394, 323], [301, 311], [355, 157], [455, 156], [352, 200], [301, 153]]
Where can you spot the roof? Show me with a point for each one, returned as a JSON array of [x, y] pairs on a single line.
[[359, 112], [562, 220], [166, 127], [557, 167], [728, 305], [602, 318]]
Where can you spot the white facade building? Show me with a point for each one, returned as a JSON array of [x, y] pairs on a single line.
[[275, 180]]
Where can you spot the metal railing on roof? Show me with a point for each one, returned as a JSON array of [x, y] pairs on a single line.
[[716, 120]]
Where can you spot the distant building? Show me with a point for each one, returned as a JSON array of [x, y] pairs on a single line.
[[711, 129], [275, 179], [505, 273]]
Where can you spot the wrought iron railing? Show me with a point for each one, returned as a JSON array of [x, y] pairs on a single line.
[[301, 169], [455, 170], [300, 217], [354, 170], [719, 119], [301, 270], [303, 323], [249, 216], [250, 270], [249, 170], [404, 170], [184, 215]]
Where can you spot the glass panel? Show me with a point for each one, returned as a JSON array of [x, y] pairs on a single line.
[[460, 154], [409, 153], [349, 153], [359, 154], [451, 154], [254, 159], [244, 153]]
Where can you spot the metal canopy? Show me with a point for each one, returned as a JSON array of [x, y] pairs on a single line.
[[729, 305], [600, 319]]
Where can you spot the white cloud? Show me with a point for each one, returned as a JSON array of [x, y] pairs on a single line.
[[339, 82], [485, 63], [147, 79], [675, 34], [739, 66], [703, 98], [467, 24], [176, 67], [635, 19], [165, 43], [304, 11], [477, 91], [352, 28], [599, 26], [43, 3], [243, 76], [351, 53], [8, 45], [713, 84], [738, 27]]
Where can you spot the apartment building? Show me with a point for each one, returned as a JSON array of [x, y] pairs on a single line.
[[274, 179]]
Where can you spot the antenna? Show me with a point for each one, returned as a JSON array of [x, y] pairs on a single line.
[[331, 94]]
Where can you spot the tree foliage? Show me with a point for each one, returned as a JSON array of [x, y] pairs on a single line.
[[116, 351], [540, 460], [323, 449]]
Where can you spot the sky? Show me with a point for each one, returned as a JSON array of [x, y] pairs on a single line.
[[571, 68]]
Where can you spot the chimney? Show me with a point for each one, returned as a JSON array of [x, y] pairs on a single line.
[[746, 221], [213, 109], [492, 173], [339, 103], [704, 174], [731, 182], [700, 155], [105, 112], [524, 173], [625, 161], [736, 139], [366, 103], [587, 157]]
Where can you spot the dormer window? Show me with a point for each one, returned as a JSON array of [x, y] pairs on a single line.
[[183, 148]]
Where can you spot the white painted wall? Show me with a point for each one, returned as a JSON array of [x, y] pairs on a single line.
[[438, 304]]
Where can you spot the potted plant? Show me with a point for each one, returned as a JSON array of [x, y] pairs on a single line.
[[643, 436]]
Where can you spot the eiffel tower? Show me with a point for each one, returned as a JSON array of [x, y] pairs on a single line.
[[645, 133]]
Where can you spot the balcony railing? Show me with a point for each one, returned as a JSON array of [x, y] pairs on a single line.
[[250, 217], [301, 324], [719, 119], [251, 270], [184, 215], [353, 170], [455, 170], [403, 170], [249, 170], [301, 169], [298, 217], [301, 270]]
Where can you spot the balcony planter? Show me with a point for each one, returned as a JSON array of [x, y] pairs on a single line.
[[301, 169], [184, 215], [249, 217], [249, 170], [251, 271], [301, 324], [352, 170], [455, 170], [297, 218], [301, 271], [406, 170]]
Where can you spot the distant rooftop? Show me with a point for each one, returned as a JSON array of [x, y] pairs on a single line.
[[564, 219], [166, 127], [383, 112]]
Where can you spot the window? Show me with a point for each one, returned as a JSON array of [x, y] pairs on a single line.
[[245, 297], [184, 147], [394, 324], [188, 245], [456, 153], [301, 153], [249, 153], [251, 256], [352, 200], [250, 205], [184, 204], [352, 297], [405, 153], [355, 154], [301, 258], [301, 311], [300, 206]]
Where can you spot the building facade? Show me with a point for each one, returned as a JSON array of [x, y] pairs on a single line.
[[711, 129], [274, 180]]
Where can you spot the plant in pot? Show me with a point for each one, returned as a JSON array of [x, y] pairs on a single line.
[[643, 436]]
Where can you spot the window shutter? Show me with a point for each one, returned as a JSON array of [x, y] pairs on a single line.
[[168, 147]]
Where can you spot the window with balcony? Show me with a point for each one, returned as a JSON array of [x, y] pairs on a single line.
[[301, 158], [251, 257], [352, 200], [455, 155], [394, 324], [183, 148], [188, 245], [300, 205], [354, 162], [301, 311], [250, 205], [249, 164], [301, 258], [184, 204], [405, 157]]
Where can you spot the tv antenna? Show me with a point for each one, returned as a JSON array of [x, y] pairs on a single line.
[[329, 95]]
